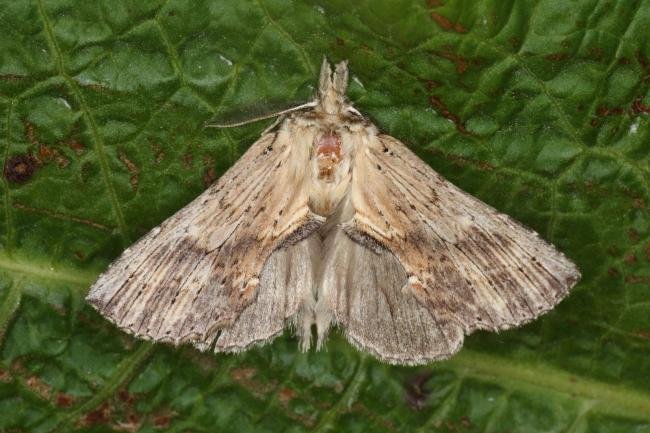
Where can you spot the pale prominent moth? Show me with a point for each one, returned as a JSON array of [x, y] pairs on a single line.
[[325, 222]]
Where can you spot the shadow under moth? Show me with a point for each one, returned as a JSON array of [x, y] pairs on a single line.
[[325, 222]]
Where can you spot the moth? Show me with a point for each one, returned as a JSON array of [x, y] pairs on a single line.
[[326, 222]]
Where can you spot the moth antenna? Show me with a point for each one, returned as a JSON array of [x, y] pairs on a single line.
[[341, 77], [263, 117], [274, 124], [325, 81], [332, 87]]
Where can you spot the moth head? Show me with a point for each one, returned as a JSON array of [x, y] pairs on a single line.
[[332, 87]]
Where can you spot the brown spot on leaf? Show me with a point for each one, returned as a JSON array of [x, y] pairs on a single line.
[[340, 42], [633, 235], [596, 53], [95, 87], [630, 259], [36, 385], [434, 3], [30, 131], [605, 111], [462, 424], [210, 173], [64, 400], [73, 141], [460, 62], [446, 24], [5, 376], [157, 150], [11, 77], [636, 108], [416, 393], [366, 48], [637, 279], [209, 176], [643, 334], [242, 374], [613, 272], [556, 57], [162, 421], [76, 145], [519, 95], [339, 387], [133, 169], [187, 160], [20, 168], [17, 367], [514, 42], [245, 376], [639, 107], [131, 425], [463, 161], [285, 395], [637, 199], [97, 416], [125, 396], [447, 114], [432, 84], [48, 154], [646, 251]]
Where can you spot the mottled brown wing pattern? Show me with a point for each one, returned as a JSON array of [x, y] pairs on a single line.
[[364, 289], [194, 274], [469, 264], [285, 284]]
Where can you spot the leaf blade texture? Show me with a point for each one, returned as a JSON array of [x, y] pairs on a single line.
[[539, 109]]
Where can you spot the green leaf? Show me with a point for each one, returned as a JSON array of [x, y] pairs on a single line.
[[539, 108]]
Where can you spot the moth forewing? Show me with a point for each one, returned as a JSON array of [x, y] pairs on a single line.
[[467, 261], [326, 222], [194, 274]]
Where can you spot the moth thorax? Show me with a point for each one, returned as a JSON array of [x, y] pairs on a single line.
[[330, 172], [328, 155]]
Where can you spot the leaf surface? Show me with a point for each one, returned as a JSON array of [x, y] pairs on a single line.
[[539, 108]]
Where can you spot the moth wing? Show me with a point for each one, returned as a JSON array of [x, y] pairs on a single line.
[[194, 275], [363, 287], [471, 266], [285, 284]]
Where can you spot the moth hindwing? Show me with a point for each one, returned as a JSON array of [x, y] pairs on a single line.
[[326, 222]]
